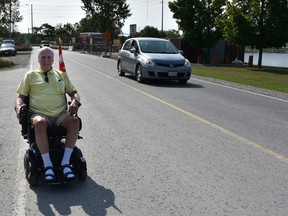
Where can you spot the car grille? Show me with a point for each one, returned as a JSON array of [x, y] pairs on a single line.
[[170, 65]]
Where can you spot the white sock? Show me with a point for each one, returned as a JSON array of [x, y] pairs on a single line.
[[46, 159], [66, 160], [66, 156], [47, 162]]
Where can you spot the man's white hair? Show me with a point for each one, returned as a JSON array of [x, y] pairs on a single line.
[[45, 49]]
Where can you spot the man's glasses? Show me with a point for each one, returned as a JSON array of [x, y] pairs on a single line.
[[46, 77]]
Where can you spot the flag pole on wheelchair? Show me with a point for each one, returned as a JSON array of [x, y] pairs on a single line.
[[61, 59]]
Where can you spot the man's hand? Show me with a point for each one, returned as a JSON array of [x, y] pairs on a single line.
[[18, 110], [73, 107], [19, 103]]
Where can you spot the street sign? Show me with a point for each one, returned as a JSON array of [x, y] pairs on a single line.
[[107, 35], [133, 30]]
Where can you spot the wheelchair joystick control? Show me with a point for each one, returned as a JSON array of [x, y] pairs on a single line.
[[24, 121]]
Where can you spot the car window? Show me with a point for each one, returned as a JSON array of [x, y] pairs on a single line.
[[158, 47], [127, 45], [134, 45], [8, 41], [45, 42], [5, 45]]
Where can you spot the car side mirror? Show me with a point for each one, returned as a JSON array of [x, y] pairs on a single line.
[[181, 52]]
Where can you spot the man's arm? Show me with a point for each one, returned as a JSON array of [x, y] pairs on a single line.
[[75, 103], [19, 103]]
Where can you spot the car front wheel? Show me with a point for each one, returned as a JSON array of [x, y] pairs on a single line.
[[139, 77], [119, 68]]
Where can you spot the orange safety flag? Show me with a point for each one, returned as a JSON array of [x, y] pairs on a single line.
[[61, 60]]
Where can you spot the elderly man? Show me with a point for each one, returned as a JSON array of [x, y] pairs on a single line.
[[47, 89]]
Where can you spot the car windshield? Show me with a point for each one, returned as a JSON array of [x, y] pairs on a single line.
[[8, 41], [147, 46], [6, 45]]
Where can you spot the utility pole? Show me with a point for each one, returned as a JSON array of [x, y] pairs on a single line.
[[147, 10], [10, 21], [162, 17], [31, 19]]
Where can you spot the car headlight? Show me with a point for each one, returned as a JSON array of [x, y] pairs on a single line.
[[187, 63], [149, 62]]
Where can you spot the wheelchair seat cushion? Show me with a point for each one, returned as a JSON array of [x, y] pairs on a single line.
[[56, 131]]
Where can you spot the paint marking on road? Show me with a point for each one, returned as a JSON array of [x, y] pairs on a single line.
[[20, 192], [211, 124], [242, 90]]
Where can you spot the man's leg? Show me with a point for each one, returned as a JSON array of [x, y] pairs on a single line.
[[71, 123], [40, 126]]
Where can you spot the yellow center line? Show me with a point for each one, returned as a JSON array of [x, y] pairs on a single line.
[[211, 124]]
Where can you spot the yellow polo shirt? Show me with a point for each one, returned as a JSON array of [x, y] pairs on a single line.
[[48, 98]]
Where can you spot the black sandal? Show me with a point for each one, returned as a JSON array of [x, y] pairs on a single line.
[[65, 175], [53, 178]]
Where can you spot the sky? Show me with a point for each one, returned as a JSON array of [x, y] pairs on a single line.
[[53, 12]]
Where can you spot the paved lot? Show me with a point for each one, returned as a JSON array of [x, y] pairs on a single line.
[[22, 59]]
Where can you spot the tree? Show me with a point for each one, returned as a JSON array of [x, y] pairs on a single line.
[[48, 30], [65, 32], [9, 15], [197, 20], [172, 34], [45, 31], [105, 15], [150, 31], [256, 23]]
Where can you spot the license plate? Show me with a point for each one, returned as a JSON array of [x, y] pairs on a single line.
[[172, 74]]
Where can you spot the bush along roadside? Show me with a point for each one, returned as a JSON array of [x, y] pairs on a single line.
[[5, 64]]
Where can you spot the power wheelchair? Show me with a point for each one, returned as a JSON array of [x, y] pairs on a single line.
[[33, 163]]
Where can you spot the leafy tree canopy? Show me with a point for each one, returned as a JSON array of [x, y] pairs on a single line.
[[105, 15], [9, 16], [172, 33], [150, 31], [197, 20], [45, 31], [260, 24], [66, 31]]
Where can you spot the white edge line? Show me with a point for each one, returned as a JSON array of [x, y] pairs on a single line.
[[238, 89], [20, 191]]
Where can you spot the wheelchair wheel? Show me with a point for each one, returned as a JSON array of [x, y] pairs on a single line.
[[82, 173], [79, 163], [30, 171]]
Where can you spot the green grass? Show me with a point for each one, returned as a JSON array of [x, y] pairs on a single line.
[[5, 64], [271, 78]]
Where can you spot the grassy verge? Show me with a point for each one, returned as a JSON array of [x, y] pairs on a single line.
[[5, 64], [271, 78]]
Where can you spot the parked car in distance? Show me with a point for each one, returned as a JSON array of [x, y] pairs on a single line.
[[7, 49], [10, 41], [45, 43], [153, 58]]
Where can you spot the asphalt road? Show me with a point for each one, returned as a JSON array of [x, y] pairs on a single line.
[[155, 149]]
